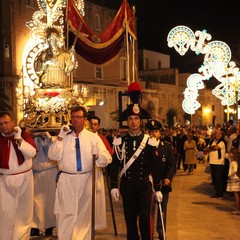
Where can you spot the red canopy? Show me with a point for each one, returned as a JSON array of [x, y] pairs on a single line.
[[99, 49]]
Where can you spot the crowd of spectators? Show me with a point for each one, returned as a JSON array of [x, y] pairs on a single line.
[[204, 149]]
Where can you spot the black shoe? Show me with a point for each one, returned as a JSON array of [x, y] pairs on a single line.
[[217, 196], [34, 232], [220, 196], [214, 196], [49, 231]]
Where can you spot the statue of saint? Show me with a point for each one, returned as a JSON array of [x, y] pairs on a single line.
[[56, 63]]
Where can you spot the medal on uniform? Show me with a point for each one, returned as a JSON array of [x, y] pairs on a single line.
[[163, 159], [134, 145]]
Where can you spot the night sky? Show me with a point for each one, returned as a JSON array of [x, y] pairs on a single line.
[[157, 17]]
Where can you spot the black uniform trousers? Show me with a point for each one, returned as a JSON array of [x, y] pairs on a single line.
[[137, 202]]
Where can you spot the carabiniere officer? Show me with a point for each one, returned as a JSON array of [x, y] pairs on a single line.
[[165, 167], [134, 158]]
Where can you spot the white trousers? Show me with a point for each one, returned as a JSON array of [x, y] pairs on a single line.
[[73, 206], [16, 206]]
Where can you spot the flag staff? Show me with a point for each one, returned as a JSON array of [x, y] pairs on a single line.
[[127, 45], [134, 66], [66, 27]]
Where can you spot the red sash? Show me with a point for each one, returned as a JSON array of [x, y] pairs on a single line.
[[106, 143], [5, 145]]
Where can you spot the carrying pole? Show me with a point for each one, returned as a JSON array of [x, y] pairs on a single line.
[[162, 221], [93, 197], [111, 203]]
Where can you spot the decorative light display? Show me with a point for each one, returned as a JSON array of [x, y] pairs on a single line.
[[216, 64], [45, 92]]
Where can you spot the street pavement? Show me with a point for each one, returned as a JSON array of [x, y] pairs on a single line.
[[192, 214]]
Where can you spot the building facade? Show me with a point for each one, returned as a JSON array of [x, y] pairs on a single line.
[[162, 86]]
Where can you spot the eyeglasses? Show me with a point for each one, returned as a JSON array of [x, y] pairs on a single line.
[[77, 117]]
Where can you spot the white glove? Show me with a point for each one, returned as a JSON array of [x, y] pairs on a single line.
[[64, 131], [47, 134], [158, 196], [115, 194], [17, 131]]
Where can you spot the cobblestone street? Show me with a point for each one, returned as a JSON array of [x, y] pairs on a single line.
[[191, 212]]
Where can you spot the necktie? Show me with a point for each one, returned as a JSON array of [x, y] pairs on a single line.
[[78, 154]]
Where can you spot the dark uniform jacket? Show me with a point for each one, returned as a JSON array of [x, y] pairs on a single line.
[[141, 168], [165, 164]]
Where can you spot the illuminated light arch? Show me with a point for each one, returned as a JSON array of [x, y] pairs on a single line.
[[216, 64], [181, 38], [190, 105], [195, 81], [217, 52]]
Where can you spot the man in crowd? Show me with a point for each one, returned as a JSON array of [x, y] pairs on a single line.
[[74, 151], [95, 123], [17, 149], [165, 167], [180, 139]]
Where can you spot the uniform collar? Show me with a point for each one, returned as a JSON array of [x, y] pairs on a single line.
[[135, 135]]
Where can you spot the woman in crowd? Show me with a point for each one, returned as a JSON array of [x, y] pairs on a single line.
[[233, 178], [217, 151], [190, 148]]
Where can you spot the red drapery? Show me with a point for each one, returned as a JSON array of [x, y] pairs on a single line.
[[99, 49]]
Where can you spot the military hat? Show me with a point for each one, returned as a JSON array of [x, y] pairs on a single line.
[[134, 93], [134, 109], [153, 125]]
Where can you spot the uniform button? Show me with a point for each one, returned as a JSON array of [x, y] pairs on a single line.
[[140, 173], [140, 178]]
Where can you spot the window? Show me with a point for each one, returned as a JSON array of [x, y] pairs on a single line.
[[97, 22], [213, 108], [98, 72], [146, 63], [123, 69], [29, 3], [159, 64]]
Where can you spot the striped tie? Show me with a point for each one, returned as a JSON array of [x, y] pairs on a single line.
[[78, 154]]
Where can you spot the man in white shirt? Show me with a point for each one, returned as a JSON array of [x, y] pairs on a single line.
[[74, 150], [17, 149]]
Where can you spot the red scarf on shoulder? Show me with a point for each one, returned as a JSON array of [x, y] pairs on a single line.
[[106, 143], [5, 145]]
